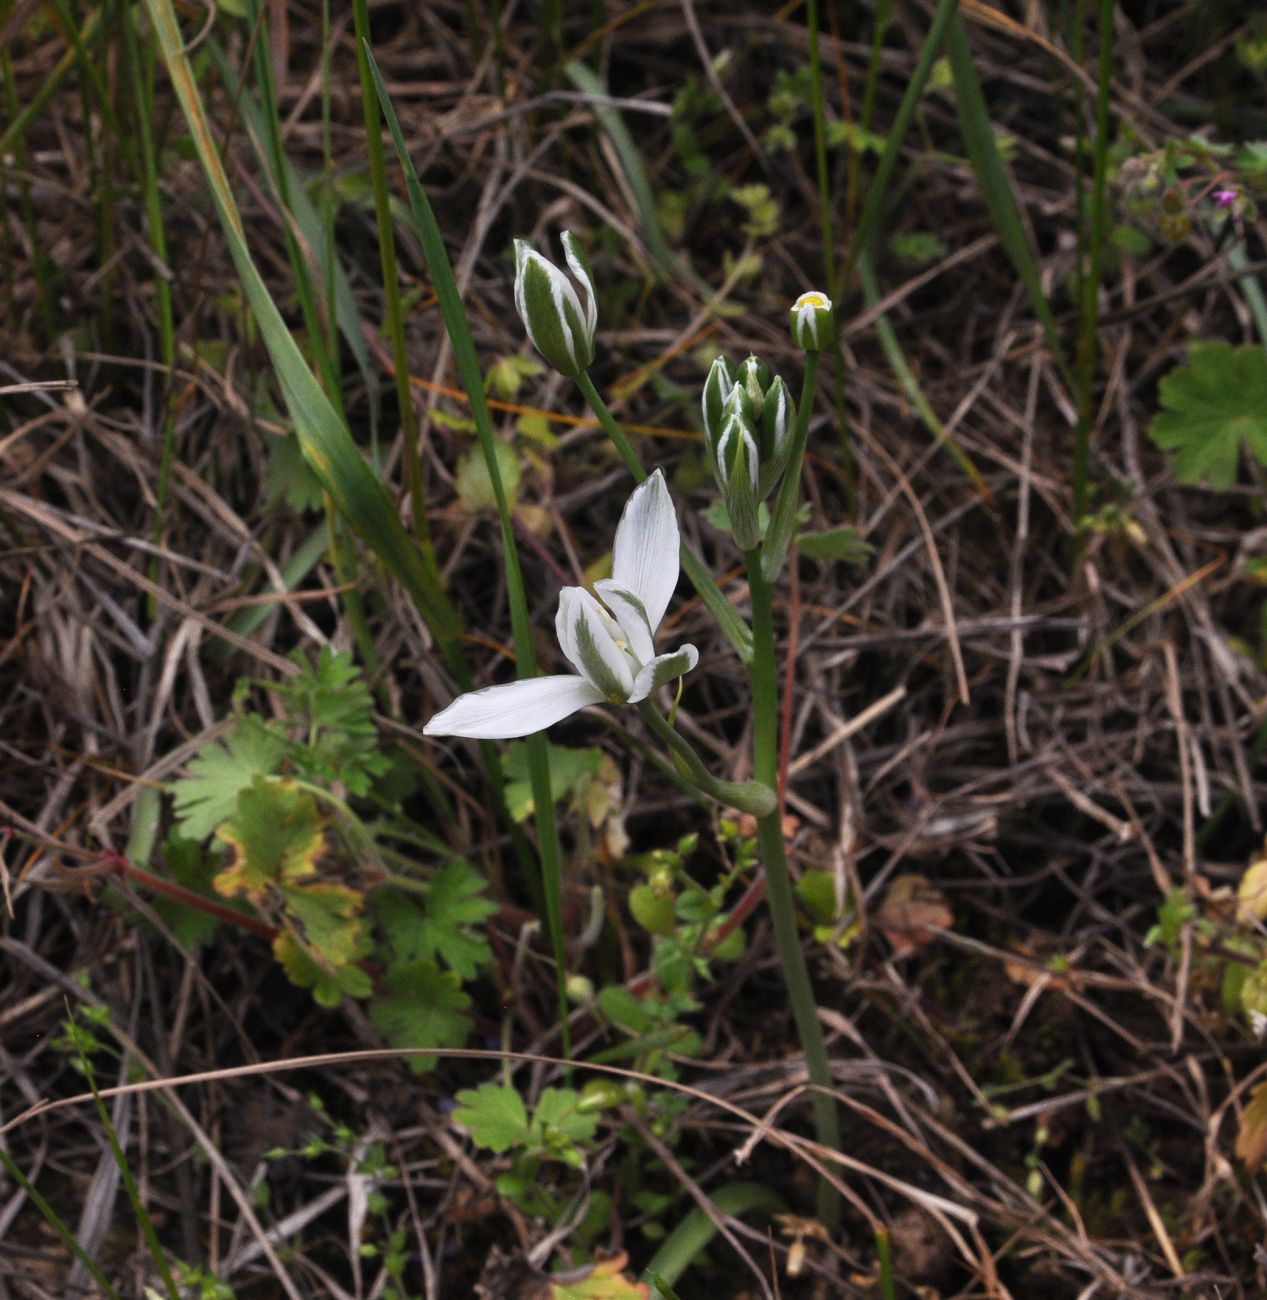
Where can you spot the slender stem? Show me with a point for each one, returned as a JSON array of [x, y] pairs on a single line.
[[708, 591], [765, 764], [1088, 332], [748, 796]]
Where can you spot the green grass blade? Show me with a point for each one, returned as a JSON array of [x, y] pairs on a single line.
[[147, 164], [686, 1242], [286, 182], [16, 129], [873, 207], [394, 314], [1096, 225], [631, 163], [459, 330], [303, 258], [1251, 290], [324, 438], [54, 1221], [983, 152], [144, 1222], [910, 385]]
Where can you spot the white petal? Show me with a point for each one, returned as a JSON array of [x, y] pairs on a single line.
[[576, 260], [592, 634], [631, 614], [645, 554], [565, 622], [663, 669], [515, 709]]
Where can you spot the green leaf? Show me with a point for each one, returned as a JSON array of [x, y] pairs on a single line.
[[474, 485], [568, 770], [335, 710], [289, 477], [1130, 240], [454, 902], [505, 377], [557, 1110], [835, 544], [1211, 406], [495, 1116], [653, 909], [208, 796], [422, 1006], [189, 866]]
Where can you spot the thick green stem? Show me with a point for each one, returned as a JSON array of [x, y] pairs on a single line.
[[748, 796], [708, 591], [778, 881]]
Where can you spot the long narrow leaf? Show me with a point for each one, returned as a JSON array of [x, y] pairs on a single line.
[[631, 163], [906, 377], [873, 208], [324, 438], [308, 223], [983, 151]]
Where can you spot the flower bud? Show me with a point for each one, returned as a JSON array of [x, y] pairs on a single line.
[[812, 320], [753, 376], [717, 388], [737, 466], [561, 329], [777, 417]]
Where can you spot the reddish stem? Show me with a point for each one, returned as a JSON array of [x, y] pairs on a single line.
[[120, 865]]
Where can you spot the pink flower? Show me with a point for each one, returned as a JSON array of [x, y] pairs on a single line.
[[1224, 198]]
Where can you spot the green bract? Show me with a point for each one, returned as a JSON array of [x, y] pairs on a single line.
[[560, 328], [812, 320], [737, 467]]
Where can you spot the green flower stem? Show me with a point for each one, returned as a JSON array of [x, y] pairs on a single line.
[[747, 796], [778, 882], [778, 536], [708, 591]]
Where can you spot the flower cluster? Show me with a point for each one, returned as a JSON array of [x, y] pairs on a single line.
[[748, 417], [609, 643]]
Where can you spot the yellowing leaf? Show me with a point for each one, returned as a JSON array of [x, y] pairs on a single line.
[[1251, 893], [1251, 1141], [605, 1281], [275, 836], [305, 969]]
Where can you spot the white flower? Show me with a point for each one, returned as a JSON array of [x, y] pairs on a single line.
[[611, 648], [560, 328]]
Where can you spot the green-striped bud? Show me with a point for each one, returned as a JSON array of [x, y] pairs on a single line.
[[737, 465], [717, 388], [774, 437], [812, 320], [560, 328], [753, 376]]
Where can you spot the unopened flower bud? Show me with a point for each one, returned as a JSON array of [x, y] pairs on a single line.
[[560, 328], [777, 417], [753, 376], [812, 320], [717, 388], [737, 465]]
